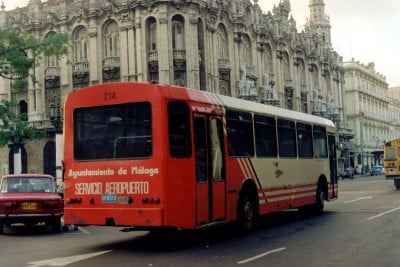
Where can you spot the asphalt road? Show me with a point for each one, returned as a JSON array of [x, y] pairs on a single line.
[[361, 228]]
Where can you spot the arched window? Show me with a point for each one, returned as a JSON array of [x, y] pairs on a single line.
[[179, 52], [23, 109], [246, 52], [151, 34], [222, 43], [269, 60], [151, 46], [286, 67], [111, 39], [80, 44], [51, 61], [178, 33], [200, 40], [49, 158]]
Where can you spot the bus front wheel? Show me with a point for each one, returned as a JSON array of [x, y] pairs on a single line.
[[247, 210]]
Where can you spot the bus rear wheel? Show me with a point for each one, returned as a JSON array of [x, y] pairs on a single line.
[[320, 199], [247, 211]]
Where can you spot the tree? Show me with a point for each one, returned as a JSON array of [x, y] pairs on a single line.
[[15, 127], [20, 52]]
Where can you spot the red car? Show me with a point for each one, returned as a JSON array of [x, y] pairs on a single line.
[[30, 199]]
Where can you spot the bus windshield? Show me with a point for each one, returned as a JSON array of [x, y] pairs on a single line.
[[113, 132]]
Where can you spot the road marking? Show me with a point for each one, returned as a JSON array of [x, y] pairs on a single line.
[[361, 198], [65, 260], [83, 230], [261, 255], [383, 213]]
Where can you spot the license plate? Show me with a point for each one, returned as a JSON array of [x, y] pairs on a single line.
[[29, 206]]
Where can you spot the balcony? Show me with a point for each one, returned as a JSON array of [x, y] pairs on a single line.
[[179, 54], [303, 88], [111, 63], [288, 84], [250, 71], [223, 63], [81, 67], [371, 92], [152, 55], [52, 73]]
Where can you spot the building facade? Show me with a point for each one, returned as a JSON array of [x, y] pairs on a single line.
[[394, 113], [372, 113], [230, 47]]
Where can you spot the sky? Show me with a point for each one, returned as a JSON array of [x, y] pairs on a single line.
[[366, 30]]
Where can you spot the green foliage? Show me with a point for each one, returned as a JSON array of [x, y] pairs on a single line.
[[20, 52], [15, 127], [20, 84]]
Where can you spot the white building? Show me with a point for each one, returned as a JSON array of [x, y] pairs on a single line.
[[369, 113], [230, 47], [394, 113]]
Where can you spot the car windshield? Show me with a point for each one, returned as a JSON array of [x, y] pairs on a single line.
[[27, 185]]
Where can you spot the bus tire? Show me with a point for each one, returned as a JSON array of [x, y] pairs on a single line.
[[247, 210], [397, 183], [320, 199]]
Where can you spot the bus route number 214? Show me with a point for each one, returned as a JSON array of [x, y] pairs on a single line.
[[109, 96]]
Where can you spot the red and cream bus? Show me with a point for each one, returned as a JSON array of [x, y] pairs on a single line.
[[150, 156]]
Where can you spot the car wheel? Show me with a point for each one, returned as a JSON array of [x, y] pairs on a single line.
[[56, 225]]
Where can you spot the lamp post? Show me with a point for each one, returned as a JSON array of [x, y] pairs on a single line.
[[56, 120], [362, 140]]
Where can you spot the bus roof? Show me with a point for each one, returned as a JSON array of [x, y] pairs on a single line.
[[250, 106], [85, 96]]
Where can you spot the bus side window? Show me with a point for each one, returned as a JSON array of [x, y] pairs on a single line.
[[179, 129], [240, 133], [287, 139], [304, 140], [320, 143], [265, 135]]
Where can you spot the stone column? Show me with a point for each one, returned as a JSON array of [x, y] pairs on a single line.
[[192, 53], [124, 51], [94, 58], [141, 68], [164, 54]]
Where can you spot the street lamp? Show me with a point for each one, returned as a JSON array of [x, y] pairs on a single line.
[[56, 120]]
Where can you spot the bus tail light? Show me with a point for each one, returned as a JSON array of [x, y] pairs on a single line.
[[151, 200]]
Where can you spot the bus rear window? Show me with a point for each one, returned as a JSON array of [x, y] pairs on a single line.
[[391, 153], [113, 132]]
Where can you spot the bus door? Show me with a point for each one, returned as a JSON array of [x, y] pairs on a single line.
[[210, 168], [332, 162]]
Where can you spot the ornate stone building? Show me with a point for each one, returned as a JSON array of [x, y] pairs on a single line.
[[371, 112], [229, 47]]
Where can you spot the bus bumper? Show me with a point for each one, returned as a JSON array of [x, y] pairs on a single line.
[[148, 217]]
